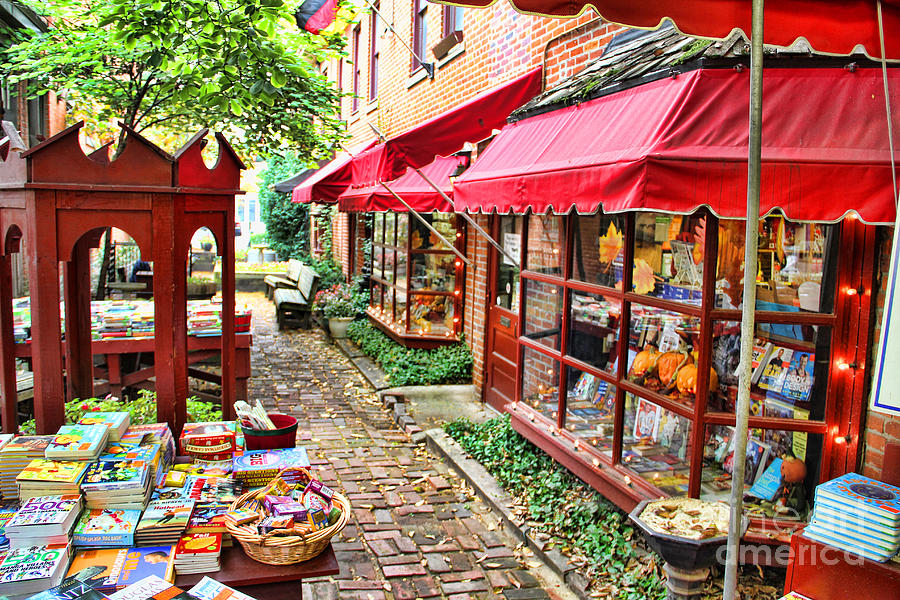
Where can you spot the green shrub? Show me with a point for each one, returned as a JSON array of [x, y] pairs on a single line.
[[564, 506], [451, 363], [142, 409]]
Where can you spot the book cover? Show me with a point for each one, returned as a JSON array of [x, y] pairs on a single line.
[[117, 422], [208, 517], [209, 589], [864, 494], [53, 471], [799, 378], [757, 458], [850, 544], [199, 544], [762, 352], [7, 510], [775, 369], [106, 527], [115, 474], [75, 587], [646, 419], [150, 588], [27, 444], [166, 514], [116, 568], [80, 440], [769, 483], [260, 462], [44, 510], [149, 453], [212, 489], [34, 562]]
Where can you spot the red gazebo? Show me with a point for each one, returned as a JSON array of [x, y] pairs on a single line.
[[55, 203]]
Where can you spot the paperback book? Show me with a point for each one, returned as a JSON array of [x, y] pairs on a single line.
[[198, 553], [775, 369], [117, 422], [73, 587], [210, 589], [258, 467], [99, 527], [78, 442], [798, 380], [43, 477], [151, 588], [208, 517], [32, 569], [163, 521], [42, 517], [863, 496], [117, 568]]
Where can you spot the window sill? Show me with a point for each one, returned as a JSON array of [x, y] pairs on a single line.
[[455, 51], [416, 77], [372, 107]]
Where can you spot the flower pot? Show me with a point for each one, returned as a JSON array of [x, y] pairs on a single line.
[[338, 326]]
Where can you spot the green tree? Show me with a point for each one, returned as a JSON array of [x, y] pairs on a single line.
[[287, 223], [165, 66]]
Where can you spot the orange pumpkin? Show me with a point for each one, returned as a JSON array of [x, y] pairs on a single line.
[[644, 362], [687, 379], [793, 470], [668, 364]]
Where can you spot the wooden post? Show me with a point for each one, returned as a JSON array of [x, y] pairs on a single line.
[[43, 277], [79, 360], [228, 340], [9, 392]]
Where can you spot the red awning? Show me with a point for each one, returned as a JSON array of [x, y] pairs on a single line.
[[327, 183], [831, 26], [680, 143], [444, 134], [411, 187]]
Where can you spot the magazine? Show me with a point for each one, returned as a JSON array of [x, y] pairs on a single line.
[[775, 369], [799, 378]]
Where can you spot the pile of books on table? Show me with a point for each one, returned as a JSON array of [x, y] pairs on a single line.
[[857, 514]]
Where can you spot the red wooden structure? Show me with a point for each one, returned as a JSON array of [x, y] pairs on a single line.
[[57, 202]]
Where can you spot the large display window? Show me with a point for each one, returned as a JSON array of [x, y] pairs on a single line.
[[647, 355], [417, 280]]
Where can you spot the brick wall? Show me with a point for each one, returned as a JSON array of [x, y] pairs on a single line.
[[880, 428], [475, 318], [56, 113]]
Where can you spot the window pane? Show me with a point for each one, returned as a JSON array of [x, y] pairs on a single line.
[[796, 265], [660, 344], [540, 383], [431, 315], [598, 246], [376, 296], [668, 256], [400, 307], [433, 272], [377, 263], [402, 229], [789, 377], [766, 451], [590, 409], [390, 229], [545, 244], [378, 218], [389, 304], [594, 330], [423, 238], [389, 260], [543, 312], [507, 284], [656, 445], [401, 268]]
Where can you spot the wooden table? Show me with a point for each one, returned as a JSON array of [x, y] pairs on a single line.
[[262, 581], [199, 349]]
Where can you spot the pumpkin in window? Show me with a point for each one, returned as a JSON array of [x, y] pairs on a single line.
[[643, 364], [687, 379], [668, 364]]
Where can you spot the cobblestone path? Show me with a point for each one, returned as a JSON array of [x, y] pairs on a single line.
[[417, 531]]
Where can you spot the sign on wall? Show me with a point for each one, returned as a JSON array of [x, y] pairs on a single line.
[[886, 388]]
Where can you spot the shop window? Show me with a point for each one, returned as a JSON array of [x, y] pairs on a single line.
[[598, 249], [545, 244], [419, 32], [594, 330], [420, 278], [507, 272], [374, 52], [540, 384], [668, 256], [542, 306], [590, 411], [656, 445]]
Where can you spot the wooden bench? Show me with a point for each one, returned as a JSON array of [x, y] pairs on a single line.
[[275, 282], [293, 306]]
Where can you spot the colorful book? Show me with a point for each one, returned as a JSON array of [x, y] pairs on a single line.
[[258, 467], [7, 510], [209, 589], [75, 587], [44, 516], [798, 380], [646, 419], [757, 459], [117, 422], [861, 495], [106, 527], [212, 489], [32, 569], [762, 352], [775, 369], [151, 588], [122, 567], [78, 442], [164, 520], [769, 483], [53, 471], [115, 475], [208, 517]]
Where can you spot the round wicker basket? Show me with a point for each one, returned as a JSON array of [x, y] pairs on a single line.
[[285, 549]]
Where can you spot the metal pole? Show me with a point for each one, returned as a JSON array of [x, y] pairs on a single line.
[[428, 225], [748, 322], [429, 67], [471, 221]]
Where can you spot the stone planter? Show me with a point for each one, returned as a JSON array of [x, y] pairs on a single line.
[[338, 326]]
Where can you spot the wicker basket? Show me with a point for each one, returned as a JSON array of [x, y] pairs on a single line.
[[285, 549]]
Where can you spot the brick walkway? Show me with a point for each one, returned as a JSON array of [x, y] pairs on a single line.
[[417, 532]]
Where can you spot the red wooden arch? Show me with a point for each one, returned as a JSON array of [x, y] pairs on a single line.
[[59, 199]]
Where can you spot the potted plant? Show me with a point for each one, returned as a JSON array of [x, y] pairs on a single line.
[[339, 303]]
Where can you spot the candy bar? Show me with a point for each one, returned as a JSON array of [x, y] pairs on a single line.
[[291, 509], [239, 517], [317, 487], [334, 515], [269, 502], [318, 518], [315, 502], [269, 524]]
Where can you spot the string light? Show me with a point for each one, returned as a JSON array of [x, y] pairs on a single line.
[[596, 462]]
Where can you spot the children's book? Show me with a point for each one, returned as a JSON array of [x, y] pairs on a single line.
[[6, 438], [45, 515], [208, 517], [53, 471], [117, 422], [121, 567], [78, 442], [775, 369], [27, 444], [263, 465], [166, 514], [584, 387], [863, 495], [209, 589], [212, 489], [149, 453], [76, 587], [151, 588], [7, 510], [199, 544], [32, 569], [799, 378], [116, 475], [106, 527]]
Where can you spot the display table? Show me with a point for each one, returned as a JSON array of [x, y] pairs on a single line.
[[262, 581], [199, 349], [827, 573]]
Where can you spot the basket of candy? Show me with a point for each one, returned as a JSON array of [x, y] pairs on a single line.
[[290, 520]]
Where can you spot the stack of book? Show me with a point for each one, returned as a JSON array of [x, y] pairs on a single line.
[[43, 521], [7, 511], [117, 422], [78, 442], [156, 433], [198, 553], [123, 484], [148, 452], [256, 468], [116, 568], [15, 456], [163, 522], [101, 527], [31, 570], [857, 514], [44, 477]]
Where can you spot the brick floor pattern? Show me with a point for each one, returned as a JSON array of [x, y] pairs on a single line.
[[415, 532]]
